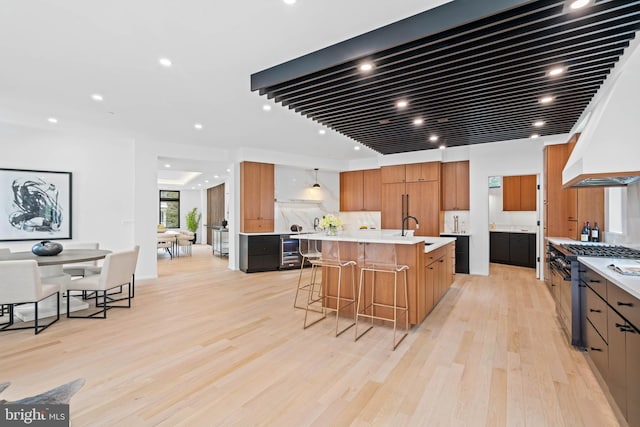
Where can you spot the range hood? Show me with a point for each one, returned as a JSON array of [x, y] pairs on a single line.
[[608, 151]]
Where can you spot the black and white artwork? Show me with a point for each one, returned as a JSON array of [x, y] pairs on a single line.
[[34, 205]]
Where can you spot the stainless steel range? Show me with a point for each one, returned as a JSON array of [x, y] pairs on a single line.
[[563, 278]]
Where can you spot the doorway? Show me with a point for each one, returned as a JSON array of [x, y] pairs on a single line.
[[215, 210]]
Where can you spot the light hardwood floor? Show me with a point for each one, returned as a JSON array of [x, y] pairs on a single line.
[[205, 346]]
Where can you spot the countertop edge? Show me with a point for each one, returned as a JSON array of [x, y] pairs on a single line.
[[630, 284]]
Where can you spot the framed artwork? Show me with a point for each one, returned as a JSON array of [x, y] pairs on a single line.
[[34, 205]]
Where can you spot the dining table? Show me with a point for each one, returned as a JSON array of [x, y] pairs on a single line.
[[51, 271]]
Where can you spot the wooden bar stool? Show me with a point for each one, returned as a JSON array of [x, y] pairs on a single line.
[[309, 250], [381, 258], [319, 299]]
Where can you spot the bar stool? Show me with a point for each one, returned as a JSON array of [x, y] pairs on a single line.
[[318, 298], [309, 250], [381, 258]]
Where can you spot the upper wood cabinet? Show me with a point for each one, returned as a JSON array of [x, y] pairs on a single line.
[[256, 197], [360, 190], [393, 174], [416, 172], [455, 186], [519, 193], [566, 210]]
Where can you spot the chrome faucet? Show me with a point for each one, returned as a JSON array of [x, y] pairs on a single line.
[[406, 218], [316, 223]]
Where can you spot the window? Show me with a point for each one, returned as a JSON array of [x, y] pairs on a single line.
[[170, 208]]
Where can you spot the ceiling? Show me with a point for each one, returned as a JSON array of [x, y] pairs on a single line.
[[470, 72], [55, 55]]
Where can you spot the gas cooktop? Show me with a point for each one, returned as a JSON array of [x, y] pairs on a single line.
[[601, 250]]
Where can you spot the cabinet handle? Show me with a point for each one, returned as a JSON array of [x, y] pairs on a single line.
[[625, 304], [594, 281], [593, 310], [582, 286], [595, 349]]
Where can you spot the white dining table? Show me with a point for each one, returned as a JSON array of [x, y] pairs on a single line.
[[51, 272]]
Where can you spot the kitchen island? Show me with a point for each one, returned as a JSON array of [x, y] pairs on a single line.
[[431, 262]]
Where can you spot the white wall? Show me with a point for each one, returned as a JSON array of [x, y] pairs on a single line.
[[103, 202]]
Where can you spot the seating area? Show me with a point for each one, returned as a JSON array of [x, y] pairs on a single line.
[[33, 292], [175, 242]]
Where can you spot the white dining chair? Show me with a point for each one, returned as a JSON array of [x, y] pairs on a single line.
[[20, 284], [166, 242], [117, 271], [81, 269]]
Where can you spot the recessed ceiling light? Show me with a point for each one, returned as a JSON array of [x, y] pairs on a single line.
[[207, 181], [216, 177], [266, 107], [556, 71], [535, 135], [433, 138], [402, 104], [322, 131], [198, 126], [356, 147], [52, 120], [418, 122], [289, 1], [165, 62], [367, 66], [539, 123], [546, 99], [167, 165], [577, 4], [442, 146], [97, 97], [228, 170]]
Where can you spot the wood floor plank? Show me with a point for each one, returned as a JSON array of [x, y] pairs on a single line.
[[204, 345]]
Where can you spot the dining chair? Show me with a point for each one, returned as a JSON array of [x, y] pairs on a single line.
[[21, 284], [117, 270], [81, 269], [185, 240], [166, 242]]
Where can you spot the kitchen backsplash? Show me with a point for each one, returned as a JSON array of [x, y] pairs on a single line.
[[505, 220], [355, 220]]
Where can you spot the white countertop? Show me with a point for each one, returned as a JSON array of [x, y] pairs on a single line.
[[455, 234], [267, 233], [630, 284], [380, 236], [512, 230]]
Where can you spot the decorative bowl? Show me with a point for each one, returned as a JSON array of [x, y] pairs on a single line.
[[46, 248]]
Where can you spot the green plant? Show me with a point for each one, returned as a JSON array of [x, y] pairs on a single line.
[[193, 220]]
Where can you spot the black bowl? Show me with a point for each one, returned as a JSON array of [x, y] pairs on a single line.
[[47, 248]]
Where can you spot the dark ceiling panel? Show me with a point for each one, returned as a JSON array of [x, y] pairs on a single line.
[[471, 81]]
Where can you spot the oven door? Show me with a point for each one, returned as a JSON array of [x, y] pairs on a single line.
[[289, 253]]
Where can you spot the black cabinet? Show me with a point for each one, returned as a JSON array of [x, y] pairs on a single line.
[[513, 248], [259, 252], [462, 252]]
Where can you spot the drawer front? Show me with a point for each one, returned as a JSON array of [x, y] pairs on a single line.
[[436, 254], [596, 311], [594, 281], [597, 350], [625, 304], [264, 245]]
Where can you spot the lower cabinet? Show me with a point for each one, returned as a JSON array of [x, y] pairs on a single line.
[[438, 276], [259, 252], [513, 248], [462, 252], [612, 341]]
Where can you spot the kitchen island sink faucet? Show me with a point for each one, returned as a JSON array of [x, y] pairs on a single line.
[[406, 218]]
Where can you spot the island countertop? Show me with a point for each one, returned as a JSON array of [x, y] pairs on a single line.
[[380, 236]]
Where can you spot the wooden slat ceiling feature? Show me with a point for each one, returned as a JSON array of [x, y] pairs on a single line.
[[474, 82]]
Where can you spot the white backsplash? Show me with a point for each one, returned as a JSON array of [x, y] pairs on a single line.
[[355, 220], [501, 220], [463, 221], [633, 213], [297, 202]]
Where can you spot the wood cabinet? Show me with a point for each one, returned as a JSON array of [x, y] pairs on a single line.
[[256, 197], [566, 210], [392, 174], [417, 172], [360, 190], [438, 275], [612, 339], [420, 199], [455, 186], [519, 193]]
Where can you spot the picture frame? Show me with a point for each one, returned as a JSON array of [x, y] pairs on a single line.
[[35, 205]]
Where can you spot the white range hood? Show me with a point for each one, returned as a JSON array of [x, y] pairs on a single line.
[[608, 150]]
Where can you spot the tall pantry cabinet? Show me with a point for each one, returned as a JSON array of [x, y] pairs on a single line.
[[412, 189], [257, 190]]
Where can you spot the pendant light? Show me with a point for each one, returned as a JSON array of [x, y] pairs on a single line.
[[316, 185]]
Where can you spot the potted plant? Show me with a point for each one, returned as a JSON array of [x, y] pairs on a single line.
[[193, 222]]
